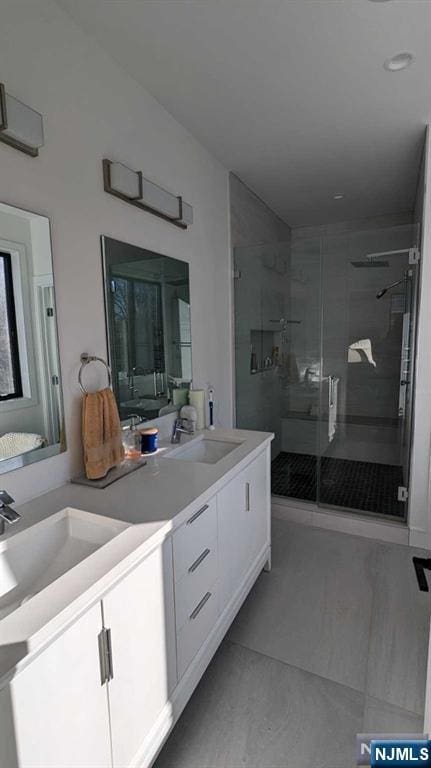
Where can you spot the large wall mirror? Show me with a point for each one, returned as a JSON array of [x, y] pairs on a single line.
[[31, 409], [147, 301]]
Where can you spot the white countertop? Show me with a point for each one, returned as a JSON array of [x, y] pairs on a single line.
[[154, 500], [162, 491]]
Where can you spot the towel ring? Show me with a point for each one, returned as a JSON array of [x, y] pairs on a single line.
[[85, 359]]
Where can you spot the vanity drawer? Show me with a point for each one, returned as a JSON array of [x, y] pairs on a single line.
[[196, 582], [199, 530], [199, 624]]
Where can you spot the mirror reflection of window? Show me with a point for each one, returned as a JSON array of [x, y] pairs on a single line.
[[10, 371], [185, 340], [138, 325], [31, 410], [147, 302]]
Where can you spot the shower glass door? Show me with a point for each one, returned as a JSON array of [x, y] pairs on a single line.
[[324, 346], [368, 300], [261, 296]]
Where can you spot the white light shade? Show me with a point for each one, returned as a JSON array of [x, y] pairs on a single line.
[[129, 185], [187, 216], [162, 201], [125, 180], [24, 124]]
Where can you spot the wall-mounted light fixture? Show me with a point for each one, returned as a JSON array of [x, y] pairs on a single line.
[[133, 188], [20, 126]]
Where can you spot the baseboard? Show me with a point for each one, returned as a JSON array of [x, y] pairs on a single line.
[[310, 514], [180, 696], [420, 539], [155, 739]]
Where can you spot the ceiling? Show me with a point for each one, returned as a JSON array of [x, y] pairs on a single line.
[[289, 94]]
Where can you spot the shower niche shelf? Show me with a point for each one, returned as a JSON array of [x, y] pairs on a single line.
[[264, 351]]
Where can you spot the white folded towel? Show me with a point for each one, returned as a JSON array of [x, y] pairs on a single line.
[[354, 352], [14, 443]]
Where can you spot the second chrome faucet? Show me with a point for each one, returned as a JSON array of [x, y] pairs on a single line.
[[7, 514]]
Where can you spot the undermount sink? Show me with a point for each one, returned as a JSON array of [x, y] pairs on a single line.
[[203, 451], [32, 559]]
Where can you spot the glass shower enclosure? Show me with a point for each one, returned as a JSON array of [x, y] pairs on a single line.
[[324, 343]]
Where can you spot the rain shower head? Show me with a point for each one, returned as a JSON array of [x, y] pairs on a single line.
[[370, 262], [375, 260]]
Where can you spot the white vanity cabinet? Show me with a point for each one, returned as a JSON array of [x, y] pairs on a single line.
[[106, 691], [215, 550], [54, 713], [196, 567], [139, 613], [67, 709], [243, 524]]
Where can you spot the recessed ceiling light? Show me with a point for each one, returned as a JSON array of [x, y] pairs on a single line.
[[399, 61], [338, 196]]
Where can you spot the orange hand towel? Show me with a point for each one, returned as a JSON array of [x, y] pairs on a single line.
[[101, 433]]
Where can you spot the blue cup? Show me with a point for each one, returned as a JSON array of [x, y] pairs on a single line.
[[149, 440]]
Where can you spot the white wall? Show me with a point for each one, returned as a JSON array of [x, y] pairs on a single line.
[[252, 221], [92, 109]]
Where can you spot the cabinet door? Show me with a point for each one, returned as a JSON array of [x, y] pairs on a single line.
[[54, 714], [231, 514], [139, 611], [257, 516], [243, 508]]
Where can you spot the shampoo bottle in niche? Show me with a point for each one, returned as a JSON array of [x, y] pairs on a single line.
[[211, 408]]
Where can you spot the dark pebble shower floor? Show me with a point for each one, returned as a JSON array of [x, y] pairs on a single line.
[[353, 485]]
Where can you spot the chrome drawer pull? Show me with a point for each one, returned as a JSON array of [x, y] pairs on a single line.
[[199, 560], [197, 514], [247, 497], [200, 605]]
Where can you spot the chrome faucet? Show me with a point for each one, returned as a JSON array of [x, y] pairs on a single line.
[[7, 514], [179, 429]]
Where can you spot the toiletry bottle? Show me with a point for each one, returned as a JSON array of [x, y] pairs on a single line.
[[197, 400], [132, 438], [211, 407], [253, 361], [189, 417]]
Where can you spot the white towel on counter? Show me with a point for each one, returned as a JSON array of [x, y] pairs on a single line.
[[15, 443]]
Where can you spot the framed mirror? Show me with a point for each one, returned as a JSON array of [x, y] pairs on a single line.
[[31, 402], [147, 303]]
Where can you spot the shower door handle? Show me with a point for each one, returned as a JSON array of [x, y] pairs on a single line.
[[331, 391]]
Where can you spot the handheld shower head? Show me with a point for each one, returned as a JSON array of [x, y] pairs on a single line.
[[381, 293]]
